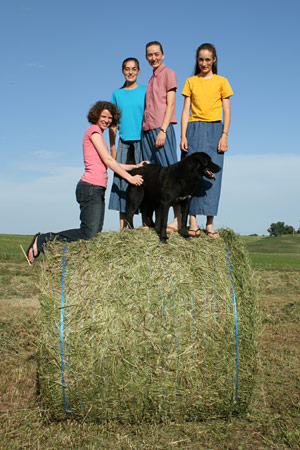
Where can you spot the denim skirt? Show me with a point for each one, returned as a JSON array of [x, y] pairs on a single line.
[[118, 195], [204, 137], [164, 156]]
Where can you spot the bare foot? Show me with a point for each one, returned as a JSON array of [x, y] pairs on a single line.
[[171, 229]]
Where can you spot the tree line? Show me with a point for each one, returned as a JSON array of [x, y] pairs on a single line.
[[279, 228]]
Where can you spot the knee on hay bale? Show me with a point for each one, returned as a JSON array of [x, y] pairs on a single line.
[[134, 330]]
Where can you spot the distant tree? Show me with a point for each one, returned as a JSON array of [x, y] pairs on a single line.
[[289, 229], [276, 229], [279, 228]]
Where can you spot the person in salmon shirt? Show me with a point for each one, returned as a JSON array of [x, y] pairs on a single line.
[[158, 136]]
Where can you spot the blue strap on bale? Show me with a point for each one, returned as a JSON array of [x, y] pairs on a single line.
[[236, 332], [62, 318], [63, 305]]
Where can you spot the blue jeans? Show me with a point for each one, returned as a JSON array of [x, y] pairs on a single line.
[[91, 199]]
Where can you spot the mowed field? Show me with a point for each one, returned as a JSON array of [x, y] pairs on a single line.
[[273, 418]]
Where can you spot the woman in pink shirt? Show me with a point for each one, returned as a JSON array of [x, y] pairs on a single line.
[[90, 190]]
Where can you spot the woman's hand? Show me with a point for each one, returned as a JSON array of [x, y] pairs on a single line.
[[160, 139], [141, 164], [136, 180], [223, 145], [184, 144]]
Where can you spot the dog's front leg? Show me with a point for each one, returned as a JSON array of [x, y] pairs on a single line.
[[185, 206], [147, 214], [129, 220], [135, 195], [164, 211]]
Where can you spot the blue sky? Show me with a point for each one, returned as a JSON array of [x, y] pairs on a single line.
[[60, 57]]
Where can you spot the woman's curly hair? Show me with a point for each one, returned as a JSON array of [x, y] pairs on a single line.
[[96, 110]]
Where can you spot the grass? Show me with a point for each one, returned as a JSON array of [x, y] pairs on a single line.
[[279, 244], [10, 246], [275, 261], [272, 421], [274, 253], [15, 280]]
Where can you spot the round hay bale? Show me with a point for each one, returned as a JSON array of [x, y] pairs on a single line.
[[132, 329]]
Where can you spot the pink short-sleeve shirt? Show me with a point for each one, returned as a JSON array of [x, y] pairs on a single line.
[[162, 81], [95, 169]]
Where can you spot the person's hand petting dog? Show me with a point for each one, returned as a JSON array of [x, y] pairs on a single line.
[[142, 163]]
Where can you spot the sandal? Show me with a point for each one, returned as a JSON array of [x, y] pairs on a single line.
[[30, 248], [194, 233], [212, 234]]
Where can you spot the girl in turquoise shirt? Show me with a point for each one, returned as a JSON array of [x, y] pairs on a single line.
[[130, 100]]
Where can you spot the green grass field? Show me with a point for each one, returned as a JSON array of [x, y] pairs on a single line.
[[272, 421], [10, 246], [274, 253]]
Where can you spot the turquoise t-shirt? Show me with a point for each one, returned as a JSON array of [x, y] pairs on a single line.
[[131, 103]]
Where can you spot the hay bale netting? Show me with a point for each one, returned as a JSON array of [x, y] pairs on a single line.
[[134, 330]]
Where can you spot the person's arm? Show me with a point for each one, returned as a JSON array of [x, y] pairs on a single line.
[[223, 145], [110, 162], [184, 122], [112, 141], [161, 137]]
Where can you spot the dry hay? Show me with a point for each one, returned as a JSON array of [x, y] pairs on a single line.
[[132, 329]]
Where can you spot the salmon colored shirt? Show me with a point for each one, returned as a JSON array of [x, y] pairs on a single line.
[[95, 169], [162, 81], [206, 97]]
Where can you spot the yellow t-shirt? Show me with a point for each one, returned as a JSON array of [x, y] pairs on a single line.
[[206, 97]]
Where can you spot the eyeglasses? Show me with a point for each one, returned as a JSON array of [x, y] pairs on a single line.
[[130, 69]]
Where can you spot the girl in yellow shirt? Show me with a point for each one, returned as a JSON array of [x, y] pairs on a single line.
[[207, 96]]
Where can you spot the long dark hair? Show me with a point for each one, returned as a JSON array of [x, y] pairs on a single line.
[[123, 66], [212, 49]]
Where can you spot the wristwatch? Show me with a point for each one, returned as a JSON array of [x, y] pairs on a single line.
[[163, 130]]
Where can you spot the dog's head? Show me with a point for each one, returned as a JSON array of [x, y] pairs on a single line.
[[205, 166]]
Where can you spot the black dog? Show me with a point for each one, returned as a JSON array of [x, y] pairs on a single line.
[[166, 186]]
